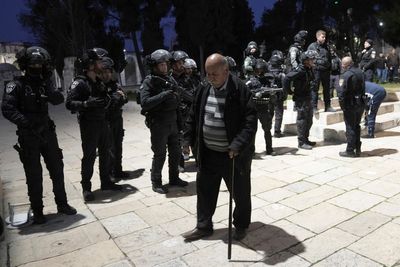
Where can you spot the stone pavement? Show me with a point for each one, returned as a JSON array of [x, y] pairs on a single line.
[[309, 208]]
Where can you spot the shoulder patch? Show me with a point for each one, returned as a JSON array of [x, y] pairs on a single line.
[[74, 84], [10, 87], [341, 81], [373, 54]]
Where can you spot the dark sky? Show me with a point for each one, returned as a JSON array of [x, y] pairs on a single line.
[[12, 31]]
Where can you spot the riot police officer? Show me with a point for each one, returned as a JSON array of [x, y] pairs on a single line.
[[296, 49], [302, 78], [192, 77], [351, 99], [88, 97], [251, 59], [368, 60], [376, 94], [264, 101], [322, 71], [160, 105], [276, 67], [25, 103], [114, 116]]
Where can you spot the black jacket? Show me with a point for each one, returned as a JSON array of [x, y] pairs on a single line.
[[368, 59], [323, 60], [25, 101], [352, 88], [240, 119], [302, 78], [117, 99]]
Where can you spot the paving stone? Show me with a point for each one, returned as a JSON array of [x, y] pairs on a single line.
[[162, 213], [187, 203], [278, 211], [323, 245], [283, 259], [348, 183], [173, 263], [179, 226], [276, 194], [124, 224], [356, 200], [382, 245], [346, 258], [311, 197], [161, 252], [300, 187], [140, 239], [312, 168], [373, 172], [259, 185], [364, 223], [387, 208], [118, 209], [287, 176], [123, 263], [109, 254], [260, 215], [382, 188], [320, 217]]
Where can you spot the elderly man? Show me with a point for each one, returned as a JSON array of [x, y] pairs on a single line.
[[222, 124], [351, 99]]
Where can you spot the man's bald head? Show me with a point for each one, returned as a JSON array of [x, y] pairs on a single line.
[[217, 69], [347, 62]]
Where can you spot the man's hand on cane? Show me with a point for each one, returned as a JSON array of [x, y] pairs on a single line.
[[233, 153]]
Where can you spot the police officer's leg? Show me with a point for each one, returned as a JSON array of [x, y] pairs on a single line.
[[118, 140], [278, 117], [357, 127], [104, 146], [315, 89], [266, 120], [350, 120], [30, 146], [302, 122], [159, 137], [208, 181], [308, 114], [325, 80], [89, 137], [174, 155]]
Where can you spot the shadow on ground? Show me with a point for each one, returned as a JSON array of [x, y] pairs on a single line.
[[379, 152], [175, 191], [108, 196], [268, 239]]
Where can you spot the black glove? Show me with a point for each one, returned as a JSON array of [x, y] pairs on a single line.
[[168, 93], [94, 102]]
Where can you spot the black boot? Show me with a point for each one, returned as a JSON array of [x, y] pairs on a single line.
[[38, 217], [358, 150], [347, 154], [66, 209]]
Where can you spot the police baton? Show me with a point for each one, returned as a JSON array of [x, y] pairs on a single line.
[[230, 210]]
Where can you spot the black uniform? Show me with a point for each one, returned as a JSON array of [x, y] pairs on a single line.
[[265, 104], [367, 63], [376, 94], [275, 68], [114, 116], [294, 53], [322, 74], [351, 99], [94, 127], [25, 103], [302, 79], [160, 105]]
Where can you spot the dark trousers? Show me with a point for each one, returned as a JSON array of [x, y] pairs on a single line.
[[278, 115], [117, 137], [46, 145], [372, 111], [392, 72], [265, 113], [324, 77], [369, 75], [304, 119], [95, 134], [164, 136], [352, 117], [334, 84], [214, 167]]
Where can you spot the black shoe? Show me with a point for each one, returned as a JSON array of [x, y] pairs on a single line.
[[121, 175], [278, 134], [111, 186], [305, 146], [330, 109], [88, 195], [66, 209], [38, 217], [178, 182], [158, 188], [240, 233], [196, 234], [347, 154], [270, 152], [369, 136], [311, 143]]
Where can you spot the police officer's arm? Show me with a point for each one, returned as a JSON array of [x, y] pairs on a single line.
[[54, 96], [249, 125], [293, 57], [370, 64], [9, 106], [74, 101], [189, 134], [149, 102], [288, 79]]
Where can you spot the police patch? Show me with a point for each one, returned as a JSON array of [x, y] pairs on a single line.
[[74, 84], [373, 54], [341, 81], [10, 87]]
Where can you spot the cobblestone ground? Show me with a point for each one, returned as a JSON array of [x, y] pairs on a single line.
[[309, 208]]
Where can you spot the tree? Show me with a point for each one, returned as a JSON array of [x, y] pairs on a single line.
[[390, 16]]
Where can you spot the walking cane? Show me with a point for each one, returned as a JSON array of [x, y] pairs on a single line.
[[230, 211]]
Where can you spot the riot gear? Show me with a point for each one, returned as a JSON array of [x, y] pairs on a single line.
[[178, 55], [158, 56], [261, 64], [190, 64], [301, 37], [231, 62], [309, 54], [107, 63], [31, 56], [250, 46]]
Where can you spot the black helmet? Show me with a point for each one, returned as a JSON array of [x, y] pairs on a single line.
[[277, 53], [89, 58], [301, 37], [96, 53], [251, 45], [190, 64], [107, 63], [158, 56], [178, 55], [309, 54], [231, 62], [261, 64], [33, 55]]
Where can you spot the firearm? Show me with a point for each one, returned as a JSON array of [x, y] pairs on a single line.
[[265, 95], [20, 152], [186, 95]]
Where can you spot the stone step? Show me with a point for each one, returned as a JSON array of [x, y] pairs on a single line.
[[337, 131], [390, 97]]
